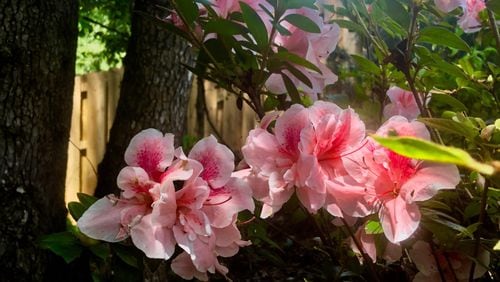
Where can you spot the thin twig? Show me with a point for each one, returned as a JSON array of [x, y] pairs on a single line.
[[482, 214], [84, 156], [123, 34]]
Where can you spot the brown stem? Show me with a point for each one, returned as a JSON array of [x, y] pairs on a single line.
[[440, 270], [482, 214], [494, 28], [366, 258]]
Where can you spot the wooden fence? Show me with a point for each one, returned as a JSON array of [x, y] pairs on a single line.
[[95, 99], [94, 103]]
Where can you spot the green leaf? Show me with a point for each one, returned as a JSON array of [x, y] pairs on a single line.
[[352, 26], [63, 244], [297, 4], [373, 227], [449, 100], [126, 255], [451, 126], [86, 200], [298, 74], [76, 209], [302, 22], [425, 150], [442, 36], [187, 9], [291, 89], [255, 25], [494, 5], [296, 59], [271, 103], [100, 250], [224, 27], [366, 65]]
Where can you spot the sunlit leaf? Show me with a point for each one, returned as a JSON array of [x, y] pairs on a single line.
[[425, 150], [373, 227]]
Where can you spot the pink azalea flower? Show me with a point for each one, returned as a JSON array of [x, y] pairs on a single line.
[[274, 155], [382, 181], [455, 265], [402, 103], [315, 47], [200, 216], [447, 5], [137, 212], [303, 152], [392, 252], [469, 21]]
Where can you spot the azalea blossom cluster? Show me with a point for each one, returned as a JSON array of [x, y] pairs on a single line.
[[314, 47], [322, 153], [171, 199], [469, 21]]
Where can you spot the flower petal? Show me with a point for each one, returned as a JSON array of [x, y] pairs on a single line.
[[429, 179], [399, 219], [155, 241], [217, 161], [152, 151]]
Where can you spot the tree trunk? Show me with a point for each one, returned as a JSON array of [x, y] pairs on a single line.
[[154, 91], [37, 66]]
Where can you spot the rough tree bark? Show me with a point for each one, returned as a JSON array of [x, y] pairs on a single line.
[[154, 91], [37, 63]]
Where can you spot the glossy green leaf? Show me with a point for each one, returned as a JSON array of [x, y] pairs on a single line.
[[451, 126], [291, 89], [303, 23], [366, 65], [76, 209], [442, 36], [63, 244], [86, 200], [224, 27], [425, 150], [255, 25]]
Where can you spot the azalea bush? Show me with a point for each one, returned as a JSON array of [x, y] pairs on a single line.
[[392, 176]]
